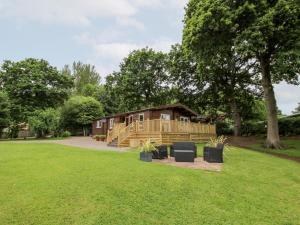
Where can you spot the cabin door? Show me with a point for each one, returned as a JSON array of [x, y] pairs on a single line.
[[165, 122], [129, 120]]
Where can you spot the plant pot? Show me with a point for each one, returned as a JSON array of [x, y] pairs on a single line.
[[97, 139], [213, 155], [102, 139], [146, 156]]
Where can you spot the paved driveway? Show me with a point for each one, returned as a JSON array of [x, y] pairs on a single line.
[[82, 142], [86, 142]]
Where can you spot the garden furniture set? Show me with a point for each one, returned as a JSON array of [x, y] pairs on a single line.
[[187, 152]]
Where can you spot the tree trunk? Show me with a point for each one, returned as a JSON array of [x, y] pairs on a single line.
[[236, 118], [273, 140]]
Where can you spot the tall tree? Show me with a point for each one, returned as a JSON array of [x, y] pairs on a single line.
[[220, 83], [264, 32], [83, 74], [33, 84], [141, 80], [43, 122], [184, 77], [4, 111], [80, 112]]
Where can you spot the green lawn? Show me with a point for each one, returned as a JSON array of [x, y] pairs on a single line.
[[292, 148], [54, 184]]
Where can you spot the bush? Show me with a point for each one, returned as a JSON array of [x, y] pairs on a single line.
[[224, 128], [44, 122], [254, 128], [80, 112], [66, 134], [288, 126]]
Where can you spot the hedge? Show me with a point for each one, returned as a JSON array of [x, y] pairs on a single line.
[[288, 126]]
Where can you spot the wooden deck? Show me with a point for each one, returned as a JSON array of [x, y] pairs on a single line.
[[160, 131]]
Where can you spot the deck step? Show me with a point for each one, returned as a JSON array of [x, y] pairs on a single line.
[[113, 143]]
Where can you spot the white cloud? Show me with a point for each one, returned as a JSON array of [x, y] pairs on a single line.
[[80, 12], [73, 12], [116, 49], [107, 55], [287, 96]]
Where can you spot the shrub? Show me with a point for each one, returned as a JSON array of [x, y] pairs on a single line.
[[44, 122], [80, 112], [289, 126], [253, 128], [66, 134], [224, 128], [147, 146]]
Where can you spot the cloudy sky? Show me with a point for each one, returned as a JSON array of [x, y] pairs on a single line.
[[100, 32]]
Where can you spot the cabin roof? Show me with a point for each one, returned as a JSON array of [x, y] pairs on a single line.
[[161, 107]]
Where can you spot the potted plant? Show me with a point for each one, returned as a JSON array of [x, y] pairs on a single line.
[[213, 151], [99, 137], [146, 150]]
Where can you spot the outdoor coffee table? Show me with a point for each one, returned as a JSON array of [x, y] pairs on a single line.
[[184, 155]]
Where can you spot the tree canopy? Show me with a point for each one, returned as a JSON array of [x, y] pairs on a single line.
[[265, 33], [141, 80], [33, 84], [4, 111], [80, 112], [43, 122], [83, 75]]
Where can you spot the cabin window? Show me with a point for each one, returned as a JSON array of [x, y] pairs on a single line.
[[99, 124], [141, 117], [164, 116], [184, 119], [111, 123]]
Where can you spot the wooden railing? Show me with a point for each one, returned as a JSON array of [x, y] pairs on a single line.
[[114, 133], [122, 132]]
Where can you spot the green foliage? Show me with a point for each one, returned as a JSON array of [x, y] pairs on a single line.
[[257, 112], [289, 126], [80, 112], [83, 75], [44, 122], [4, 111], [140, 82], [254, 128], [66, 134], [265, 34], [187, 87], [147, 146], [31, 85], [224, 128], [297, 109]]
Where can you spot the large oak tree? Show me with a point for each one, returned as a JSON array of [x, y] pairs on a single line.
[[263, 32], [140, 82], [221, 83], [33, 84]]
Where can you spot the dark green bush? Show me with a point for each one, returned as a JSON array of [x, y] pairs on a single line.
[[224, 128], [66, 134], [253, 128], [288, 126]]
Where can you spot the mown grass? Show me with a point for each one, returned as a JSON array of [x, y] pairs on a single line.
[[55, 184], [291, 148]]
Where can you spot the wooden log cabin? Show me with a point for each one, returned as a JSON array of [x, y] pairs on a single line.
[[163, 124]]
